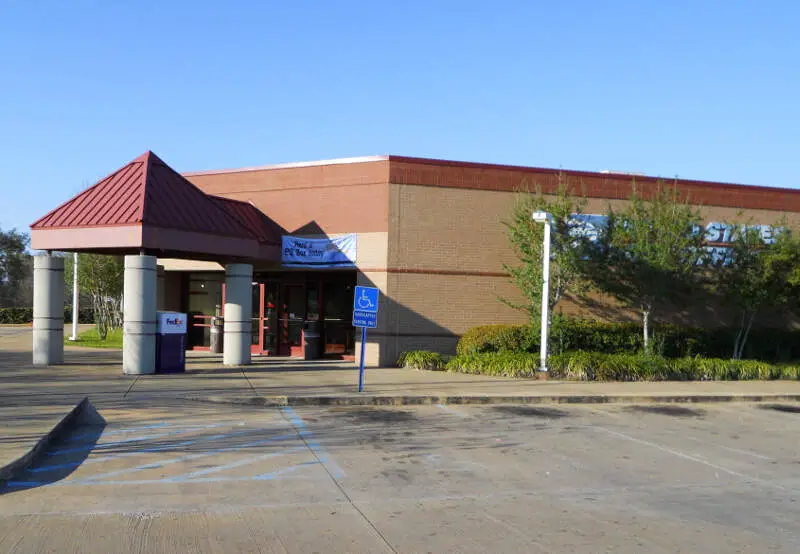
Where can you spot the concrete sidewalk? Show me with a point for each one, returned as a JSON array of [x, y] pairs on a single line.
[[98, 374]]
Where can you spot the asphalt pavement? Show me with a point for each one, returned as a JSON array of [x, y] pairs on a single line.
[[165, 475]]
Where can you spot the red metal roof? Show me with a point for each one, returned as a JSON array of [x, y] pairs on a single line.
[[146, 191], [260, 226]]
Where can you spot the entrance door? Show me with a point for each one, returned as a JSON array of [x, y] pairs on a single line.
[[256, 332], [264, 332], [292, 314]]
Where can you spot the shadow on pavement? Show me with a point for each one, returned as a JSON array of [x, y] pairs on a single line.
[[675, 411], [531, 411], [781, 408], [63, 456]]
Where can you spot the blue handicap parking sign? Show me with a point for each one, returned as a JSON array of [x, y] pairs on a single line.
[[365, 319], [366, 299]]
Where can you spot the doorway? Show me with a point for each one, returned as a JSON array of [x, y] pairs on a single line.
[[263, 338], [283, 302], [292, 315]]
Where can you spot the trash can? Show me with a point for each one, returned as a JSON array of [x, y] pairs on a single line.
[[171, 343], [311, 340], [216, 334]]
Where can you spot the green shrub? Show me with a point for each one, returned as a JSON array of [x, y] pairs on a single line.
[[669, 341], [498, 338], [421, 359], [789, 372], [499, 364], [9, 316], [20, 316], [598, 366]]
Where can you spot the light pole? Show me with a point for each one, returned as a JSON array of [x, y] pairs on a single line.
[[544, 217], [74, 297]]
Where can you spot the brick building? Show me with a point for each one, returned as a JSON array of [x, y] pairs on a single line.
[[429, 234], [285, 245]]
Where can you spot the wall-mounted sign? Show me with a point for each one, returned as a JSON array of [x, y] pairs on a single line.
[[716, 233], [325, 252]]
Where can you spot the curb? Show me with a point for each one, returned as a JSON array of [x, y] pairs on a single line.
[[398, 400], [11, 470]]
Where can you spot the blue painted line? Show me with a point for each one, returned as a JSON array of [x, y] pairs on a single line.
[[18, 484], [189, 477], [450, 410], [44, 469], [74, 438], [130, 440], [160, 463], [315, 447], [162, 482], [140, 451], [281, 472]]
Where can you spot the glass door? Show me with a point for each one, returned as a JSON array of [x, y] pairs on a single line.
[[256, 331], [292, 315], [338, 330], [269, 321]]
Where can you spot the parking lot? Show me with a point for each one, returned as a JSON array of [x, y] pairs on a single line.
[[185, 476]]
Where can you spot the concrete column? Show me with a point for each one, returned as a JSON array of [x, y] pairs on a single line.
[[139, 314], [238, 311], [48, 310]]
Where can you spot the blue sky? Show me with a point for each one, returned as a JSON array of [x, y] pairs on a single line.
[[698, 89]]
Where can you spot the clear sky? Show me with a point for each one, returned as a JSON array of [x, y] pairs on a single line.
[[699, 89]]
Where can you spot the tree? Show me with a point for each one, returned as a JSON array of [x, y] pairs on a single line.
[[102, 279], [756, 276], [648, 253], [16, 269], [567, 247]]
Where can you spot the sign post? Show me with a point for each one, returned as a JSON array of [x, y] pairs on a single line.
[[365, 315]]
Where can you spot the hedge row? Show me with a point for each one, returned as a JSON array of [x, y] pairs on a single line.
[[596, 366], [21, 316], [671, 341]]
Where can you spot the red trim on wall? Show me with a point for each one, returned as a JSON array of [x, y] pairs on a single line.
[[507, 178]]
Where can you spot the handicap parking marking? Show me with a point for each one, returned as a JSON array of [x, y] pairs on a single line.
[[188, 457], [142, 440], [140, 451], [79, 436], [101, 445], [319, 452], [232, 465]]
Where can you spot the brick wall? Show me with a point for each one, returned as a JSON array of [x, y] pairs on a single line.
[[343, 198]]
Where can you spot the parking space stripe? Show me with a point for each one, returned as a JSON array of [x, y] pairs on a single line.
[[687, 457], [159, 463], [79, 436], [319, 452], [188, 477], [139, 452], [132, 439]]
